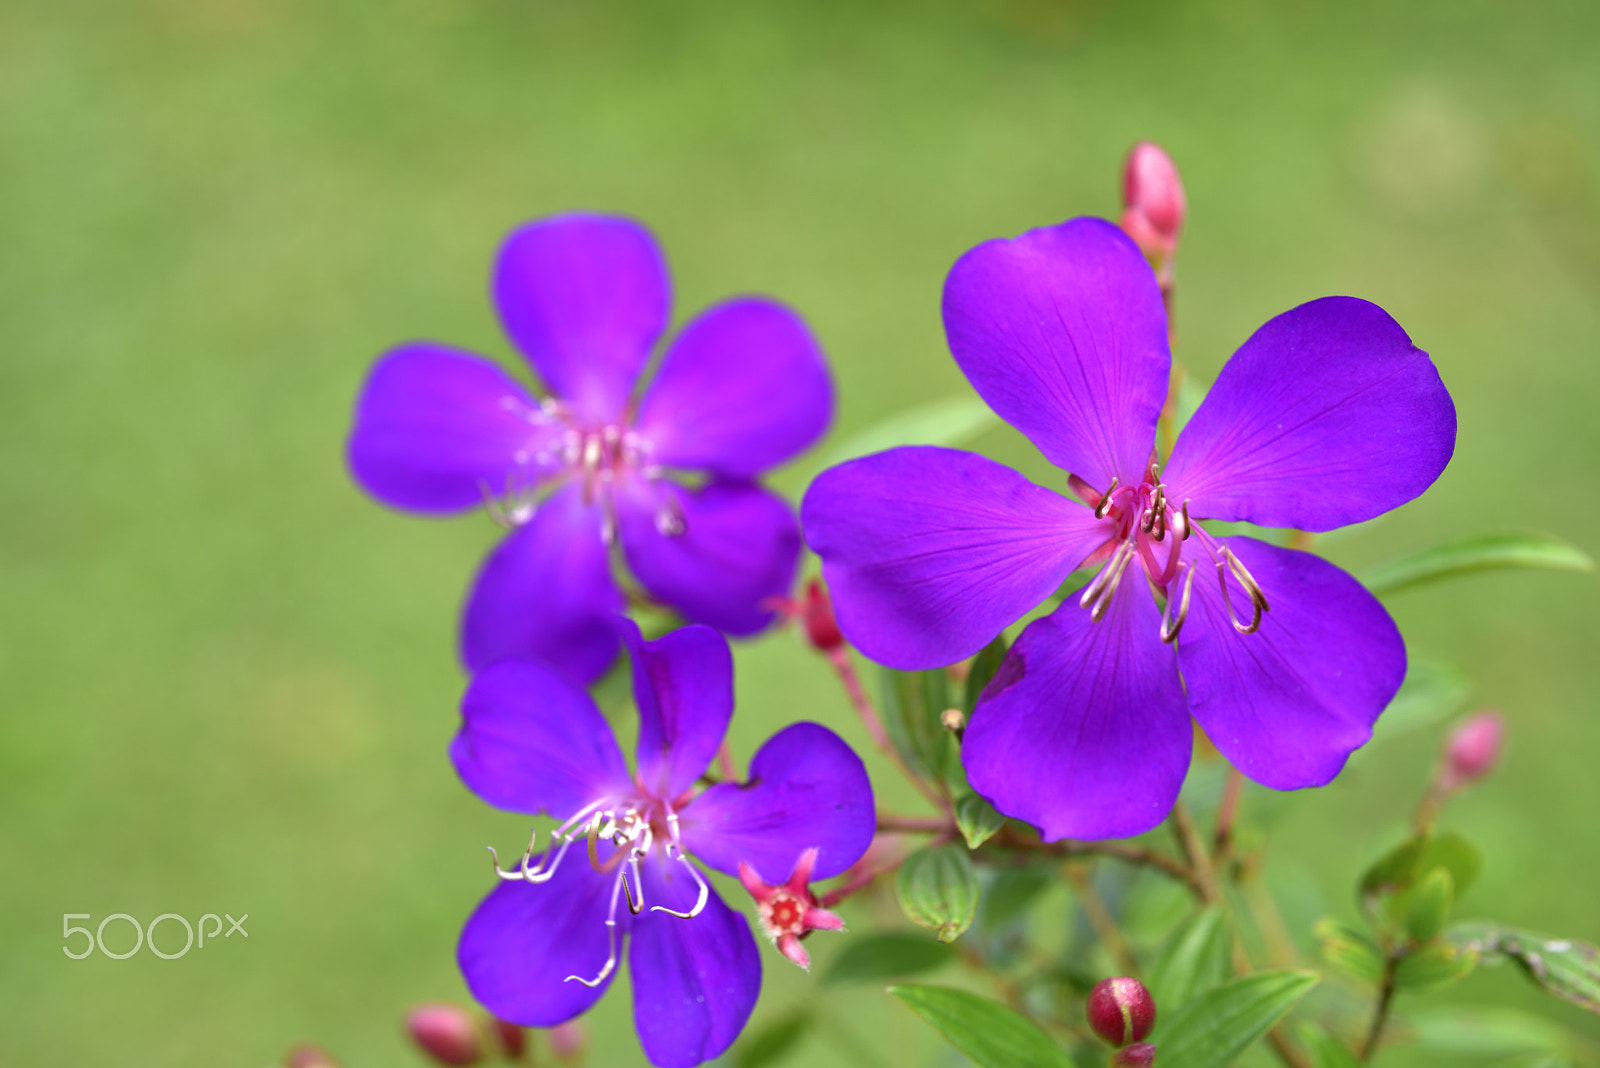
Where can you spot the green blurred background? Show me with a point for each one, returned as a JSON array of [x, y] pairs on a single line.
[[227, 679]]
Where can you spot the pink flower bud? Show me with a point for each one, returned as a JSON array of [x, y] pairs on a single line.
[[1138, 1055], [513, 1039], [307, 1055], [566, 1040], [1121, 1011], [446, 1033], [1152, 198], [1473, 749], [816, 614]]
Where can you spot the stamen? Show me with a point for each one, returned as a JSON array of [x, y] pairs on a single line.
[[1256, 604], [1188, 524], [1247, 579], [675, 852], [1171, 626], [1115, 569], [611, 941], [1118, 560], [1104, 504], [520, 871]]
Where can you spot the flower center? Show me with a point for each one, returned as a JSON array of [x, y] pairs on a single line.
[[603, 459], [783, 914], [1145, 526]]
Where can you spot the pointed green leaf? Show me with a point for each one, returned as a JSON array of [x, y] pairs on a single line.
[[1430, 906], [950, 421], [911, 705], [939, 890], [984, 666], [1325, 1050], [1476, 552], [1486, 1031], [1217, 1026], [1561, 966], [978, 820], [1434, 967], [1195, 959], [1455, 854], [1394, 870], [895, 955], [1433, 690], [992, 1035], [771, 1043]]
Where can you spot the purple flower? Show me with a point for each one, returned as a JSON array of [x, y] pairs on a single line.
[[742, 388], [545, 943], [1327, 415]]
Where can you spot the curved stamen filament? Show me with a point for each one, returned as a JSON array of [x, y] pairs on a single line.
[[1172, 625], [1104, 504], [1097, 595], [611, 937], [675, 852]]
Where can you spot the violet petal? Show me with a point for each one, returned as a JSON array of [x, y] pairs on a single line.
[[436, 429], [1062, 331], [546, 593], [584, 297], [1289, 703], [929, 552], [807, 789], [744, 387], [695, 981], [683, 686], [1327, 416], [1083, 732]]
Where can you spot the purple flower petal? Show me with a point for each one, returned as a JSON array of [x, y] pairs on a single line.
[[1327, 416], [695, 981], [531, 741], [1288, 704], [585, 297], [546, 593], [807, 789], [683, 685], [929, 553], [518, 948], [1083, 733], [743, 388], [739, 547], [436, 428], [1062, 331]]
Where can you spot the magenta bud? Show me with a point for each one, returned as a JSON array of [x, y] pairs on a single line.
[[513, 1039], [307, 1055], [1121, 1010], [1473, 749], [446, 1033], [1152, 199], [566, 1040], [1138, 1055], [816, 614]]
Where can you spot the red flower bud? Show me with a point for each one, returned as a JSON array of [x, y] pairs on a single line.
[[566, 1040], [1473, 749], [307, 1055], [446, 1033], [816, 614], [1138, 1055], [1152, 196], [513, 1039], [1121, 1011]]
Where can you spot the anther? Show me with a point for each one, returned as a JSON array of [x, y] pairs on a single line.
[[1256, 604], [1173, 625], [1104, 505], [1113, 566], [1188, 524]]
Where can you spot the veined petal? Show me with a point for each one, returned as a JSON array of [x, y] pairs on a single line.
[[695, 981], [929, 552], [683, 685], [1062, 331], [546, 593], [518, 948], [739, 547], [1288, 704], [1327, 416], [743, 388], [1083, 732], [807, 789], [532, 741], [437, 429], [584, 297]]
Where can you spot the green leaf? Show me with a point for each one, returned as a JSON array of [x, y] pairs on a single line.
[[771, 1043], [1568, 969], [1433, 690], [911, 705], [894, 955], [939, 890], [951, 421], [1325, 1050], [1486, 1031], [1359, 958], [992, 1035], [1194, 960], [1394, 870], [984, 666], [1434, 967], [1455, 854], [1217, 1026], [1430, 906], [978, 820], [1476, 552]]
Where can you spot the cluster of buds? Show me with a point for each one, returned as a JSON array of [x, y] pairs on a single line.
[[1122, 1012], [790, 911], [449, 1034]]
